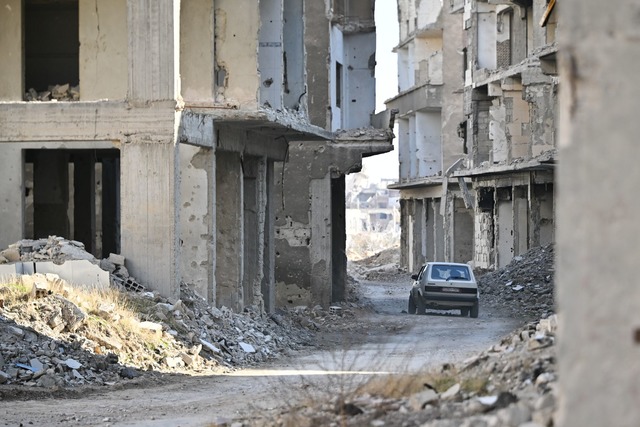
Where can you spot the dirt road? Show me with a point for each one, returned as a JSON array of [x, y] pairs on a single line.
[[381, 340]]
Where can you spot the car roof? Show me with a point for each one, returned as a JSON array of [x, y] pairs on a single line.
[[453, 264]]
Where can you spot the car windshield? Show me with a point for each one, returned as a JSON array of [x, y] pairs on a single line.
[[450, 272]]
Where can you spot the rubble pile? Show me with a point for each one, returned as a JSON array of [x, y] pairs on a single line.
[[64, 92], [511, 384], [53, 334], [50, 338], [58, 250], [522, 289], [383, 266]]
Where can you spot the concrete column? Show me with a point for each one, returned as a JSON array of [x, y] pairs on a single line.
[[321, 265], [11, 43], [154, 27], [110, 206], [149, 214], [11, 195], [269, 265], [84, 201], [197, 206], [51, 193], [254, 218], [338, 239], [597, 216], [229, 230]]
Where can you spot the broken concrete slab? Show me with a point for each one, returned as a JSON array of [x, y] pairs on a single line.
[[77, 272], [116, 259]]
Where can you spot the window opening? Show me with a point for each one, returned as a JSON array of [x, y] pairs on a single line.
[[51, 50]]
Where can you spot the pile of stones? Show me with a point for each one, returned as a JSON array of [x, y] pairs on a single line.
[[64, 92], [58, 250], [51, 340], [523, 289], [513, 383]]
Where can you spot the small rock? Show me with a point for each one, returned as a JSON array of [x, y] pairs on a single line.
[[248, 348], [73, 364], [419, 400], [116, 259], [451, 392], [128, 373]]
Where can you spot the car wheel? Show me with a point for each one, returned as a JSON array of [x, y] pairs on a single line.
[[464, 312], [475, 310], [412, 305], [421, 307]]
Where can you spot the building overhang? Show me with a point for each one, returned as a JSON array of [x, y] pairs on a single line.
[[545, 162], [367, 141], [265, 121], [417, 183], [422, 97]]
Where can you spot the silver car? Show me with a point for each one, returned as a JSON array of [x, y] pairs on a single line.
[[444, 286]]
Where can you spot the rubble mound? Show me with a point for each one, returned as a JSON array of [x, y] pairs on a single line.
[[382, 266], [513, 383], [522, 289], [55, 335]]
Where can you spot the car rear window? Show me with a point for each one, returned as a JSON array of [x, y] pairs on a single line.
[[450, 272]]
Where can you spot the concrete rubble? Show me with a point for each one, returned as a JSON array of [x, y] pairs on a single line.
[[524, 288], [63, 92], [50, 339]]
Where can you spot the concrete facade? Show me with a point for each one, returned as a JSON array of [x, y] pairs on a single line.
[[598, 228], [430, 104], [169, 155], [481, 144]]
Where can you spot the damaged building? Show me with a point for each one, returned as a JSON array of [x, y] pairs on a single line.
[[477, 128], [186, 135]]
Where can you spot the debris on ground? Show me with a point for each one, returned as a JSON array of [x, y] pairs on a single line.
[[514, 383], [522, 289]]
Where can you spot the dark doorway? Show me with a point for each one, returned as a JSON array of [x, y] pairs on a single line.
[[74, 194], [338, 240]]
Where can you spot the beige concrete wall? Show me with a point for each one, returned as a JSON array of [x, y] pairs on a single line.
[[11, 194], [237, 25], [103, 49], [11, 75], [197, 51], [597, 214]]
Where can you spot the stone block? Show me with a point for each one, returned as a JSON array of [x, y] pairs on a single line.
[[116, 259]]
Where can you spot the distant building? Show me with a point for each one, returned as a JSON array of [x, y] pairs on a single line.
[[477, 129]]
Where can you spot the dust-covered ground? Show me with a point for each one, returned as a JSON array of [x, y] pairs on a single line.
[[363, 362]]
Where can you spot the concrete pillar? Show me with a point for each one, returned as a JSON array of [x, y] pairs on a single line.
[[321, 264], [11, 43], [338, 239], [268, 276], [197, 206], [51, 193], [149, 215], [254, 218], [11, 195], [229, 230], [597, 216], [84, 201], [110, 206]]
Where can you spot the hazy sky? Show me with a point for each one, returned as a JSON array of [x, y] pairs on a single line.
[[385, 165]]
